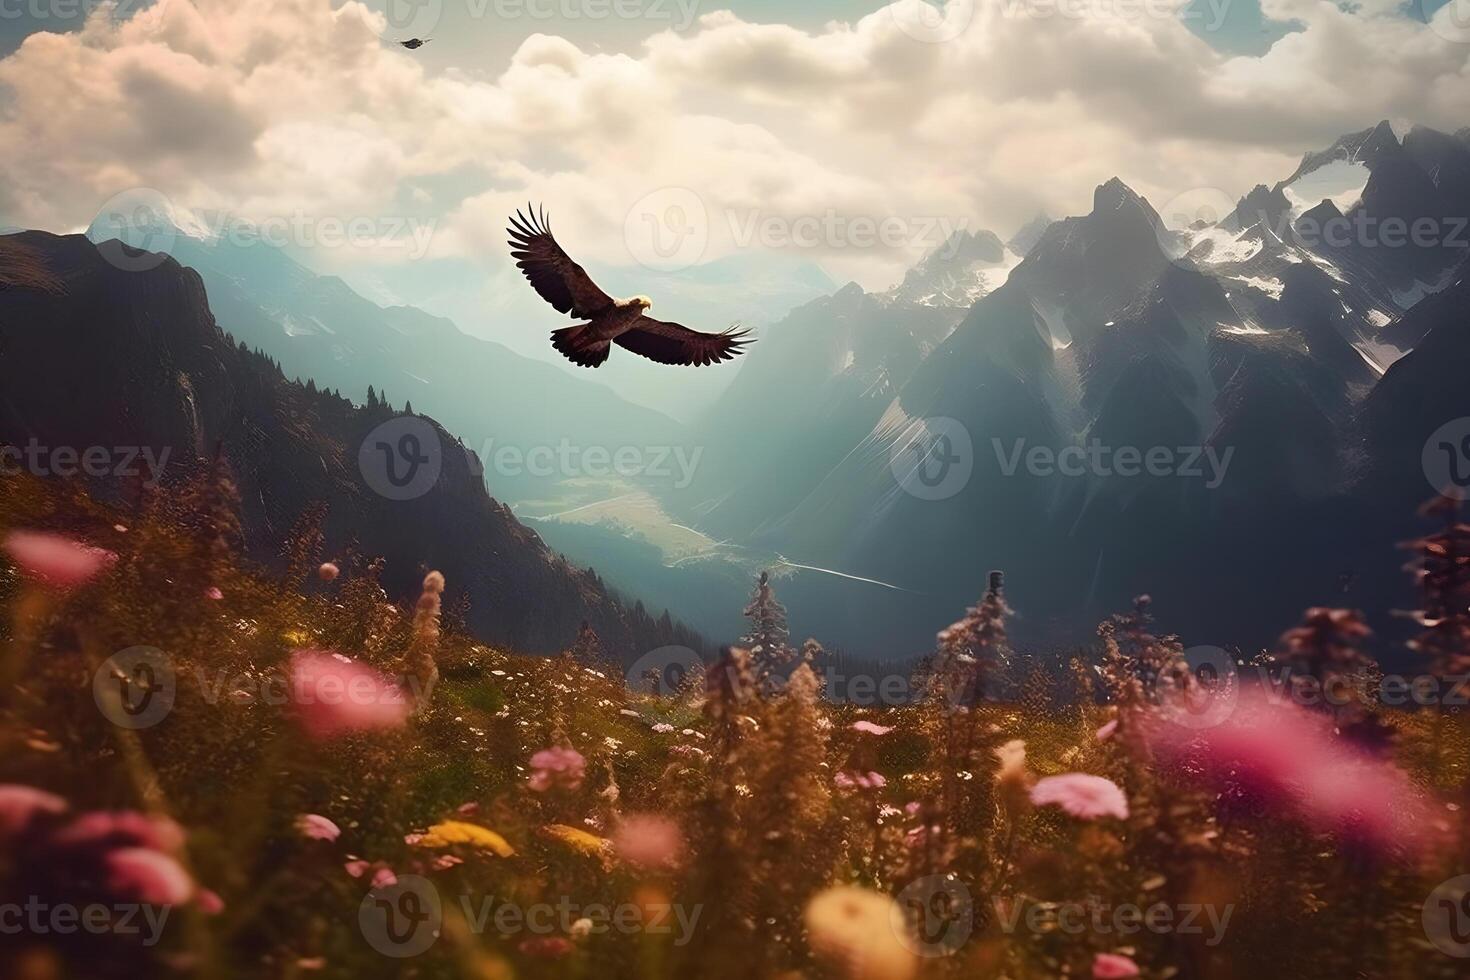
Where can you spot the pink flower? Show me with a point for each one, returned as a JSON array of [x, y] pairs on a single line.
[[19, 805], [384, 877], [209, 902], [328, 572], [649, 841], [314, 826], [214, 593], [871, 728], [1107, 731], [1288, 755], [1111, 966], [124, 828], [54, 561], [1083, 796], [859, 780], [147, 876], [333, 695], [356, 867], [557, 768]]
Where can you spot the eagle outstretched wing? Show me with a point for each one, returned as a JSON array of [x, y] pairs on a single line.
[[673, 343], [552, 273]]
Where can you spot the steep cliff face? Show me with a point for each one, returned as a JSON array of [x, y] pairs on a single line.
[[102, 347]]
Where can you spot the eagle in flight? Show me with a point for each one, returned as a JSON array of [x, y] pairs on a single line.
[[413, 43], [567, 287]]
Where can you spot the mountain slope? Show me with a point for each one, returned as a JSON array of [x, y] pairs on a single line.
[[94, 355]]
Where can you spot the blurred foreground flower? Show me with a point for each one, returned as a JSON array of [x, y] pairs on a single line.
[[557, 768], [54, 561], [649, 841], [333, 695], [1083, 796], [148, 876], [314, 826], [452, 832], [858, 933], [1285, 754], [19, 805], [578, 840], [1111, 966]]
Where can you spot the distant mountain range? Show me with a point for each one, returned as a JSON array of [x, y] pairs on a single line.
[[1261, 358], [111, 347]]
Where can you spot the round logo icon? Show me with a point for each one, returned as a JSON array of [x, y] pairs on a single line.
[[933, 458], [1450, 21], [664, 671], [1446, 917], [401, 458], [1206, 696], [135, 230], [413, 18], [932, 22], [1191, 210], [667, 230], [135, 688], [402, 919], [934, 916], [1446, 459]]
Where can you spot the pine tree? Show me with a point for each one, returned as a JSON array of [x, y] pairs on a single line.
[[211, 505], [1441, 569], [587, 647], [1321, 657], [768, 639], [421, 662]]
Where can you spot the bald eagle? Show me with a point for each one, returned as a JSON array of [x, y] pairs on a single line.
[[567, 287], [413, 43]]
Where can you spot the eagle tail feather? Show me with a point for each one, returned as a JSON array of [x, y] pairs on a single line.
[[579, 344]]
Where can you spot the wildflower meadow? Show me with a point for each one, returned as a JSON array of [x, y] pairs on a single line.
[[213, 768]]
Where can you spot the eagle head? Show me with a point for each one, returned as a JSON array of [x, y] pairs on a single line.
[[642, 302]]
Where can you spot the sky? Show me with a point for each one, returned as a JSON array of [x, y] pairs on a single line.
[[665, 134]]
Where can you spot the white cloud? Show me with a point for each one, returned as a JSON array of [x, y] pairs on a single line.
[[291, 106]]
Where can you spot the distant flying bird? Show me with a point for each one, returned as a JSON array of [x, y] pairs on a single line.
[[567, 287], [413, 43]]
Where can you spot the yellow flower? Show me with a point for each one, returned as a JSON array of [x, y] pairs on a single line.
[[296, 638], [578, 840], [452, 832], [861, 934]]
